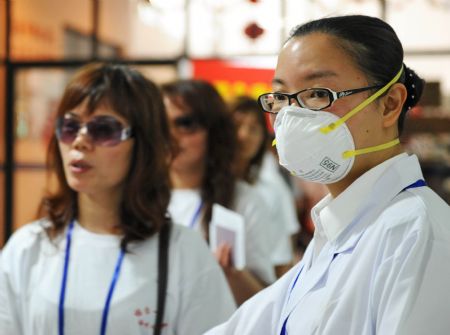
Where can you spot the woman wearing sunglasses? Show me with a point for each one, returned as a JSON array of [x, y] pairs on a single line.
[[257, 166], [106, 258], [379, 259], [202, 174]]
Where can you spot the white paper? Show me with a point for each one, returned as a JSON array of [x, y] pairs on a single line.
[[227, 227]]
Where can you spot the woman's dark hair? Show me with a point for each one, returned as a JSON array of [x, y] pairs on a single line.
[[248, 105], [147, 192], [202, 100], [375, 48]]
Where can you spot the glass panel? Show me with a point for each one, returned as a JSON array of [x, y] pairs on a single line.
[[255, 30], [2, 117], [159, 74], [144, 29], [114, 31], [39, 28], [2, 152], [2, 29], [34, 107], [29, 187], [2, 114], [430, 28], [301, 11]]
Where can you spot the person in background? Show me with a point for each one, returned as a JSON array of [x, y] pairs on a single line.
[[202, 175], [378, 261], [253, 140], [93, 264]]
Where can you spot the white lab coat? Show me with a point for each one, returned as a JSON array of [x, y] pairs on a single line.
[[386, 270]]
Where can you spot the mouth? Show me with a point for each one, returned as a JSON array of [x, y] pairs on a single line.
[[79, 166]]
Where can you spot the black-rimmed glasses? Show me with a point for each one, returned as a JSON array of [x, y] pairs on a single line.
[[312, 98]]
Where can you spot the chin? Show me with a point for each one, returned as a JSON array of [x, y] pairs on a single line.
[[77, 186], [185, 163], [247, 156]]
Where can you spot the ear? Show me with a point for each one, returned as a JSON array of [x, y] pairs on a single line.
[[393, 103]]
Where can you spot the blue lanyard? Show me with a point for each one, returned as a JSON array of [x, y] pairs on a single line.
[[196, 215], [283, 329], [418, 183], [64, 284]]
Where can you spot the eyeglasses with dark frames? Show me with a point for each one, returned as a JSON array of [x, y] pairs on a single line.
[[316, 98]]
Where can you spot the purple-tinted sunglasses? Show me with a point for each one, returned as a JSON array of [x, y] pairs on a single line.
[[103, 130]]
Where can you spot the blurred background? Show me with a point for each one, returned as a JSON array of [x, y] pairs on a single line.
[[231, 43]]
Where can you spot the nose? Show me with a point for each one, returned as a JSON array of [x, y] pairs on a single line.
[[82, 141], [294, 102], [243, 133]]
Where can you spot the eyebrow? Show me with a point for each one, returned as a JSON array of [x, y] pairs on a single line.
[[311, 76]]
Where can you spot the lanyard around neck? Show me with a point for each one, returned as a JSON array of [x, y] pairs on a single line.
[[418, 183], [196, 215], [64, 285]]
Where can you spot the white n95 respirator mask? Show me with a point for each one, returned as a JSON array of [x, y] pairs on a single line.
[[307, 152], [317, 145]]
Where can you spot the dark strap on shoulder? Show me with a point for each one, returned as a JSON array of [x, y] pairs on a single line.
[[163, 261]]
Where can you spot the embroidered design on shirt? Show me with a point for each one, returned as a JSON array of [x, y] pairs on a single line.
[[146, 318]]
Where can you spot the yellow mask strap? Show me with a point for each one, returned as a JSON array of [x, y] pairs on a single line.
[[362, 105], [353, 153], [274, 142]]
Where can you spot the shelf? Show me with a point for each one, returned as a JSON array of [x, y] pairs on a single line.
[[426, 125]]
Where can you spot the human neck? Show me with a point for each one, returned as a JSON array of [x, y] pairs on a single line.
[[186, 178], [376, 159], [99, 213], [241, 167]]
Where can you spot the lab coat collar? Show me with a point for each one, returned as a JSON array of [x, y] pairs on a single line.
[[403, 171], [332, 215]]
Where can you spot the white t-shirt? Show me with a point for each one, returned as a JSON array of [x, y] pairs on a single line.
[[281, 202], [31, 274], [258, 226]]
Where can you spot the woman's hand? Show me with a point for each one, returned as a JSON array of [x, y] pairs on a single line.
[[242, 282], [223, 256]]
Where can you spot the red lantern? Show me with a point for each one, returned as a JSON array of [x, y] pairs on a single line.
[[253, 30]]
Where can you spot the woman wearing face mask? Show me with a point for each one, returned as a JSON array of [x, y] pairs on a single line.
[[202, 175], [378, 262], [254, 165], [106, 258]]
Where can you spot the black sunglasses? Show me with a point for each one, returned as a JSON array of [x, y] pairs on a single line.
[[103, 130], [187, 123]]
